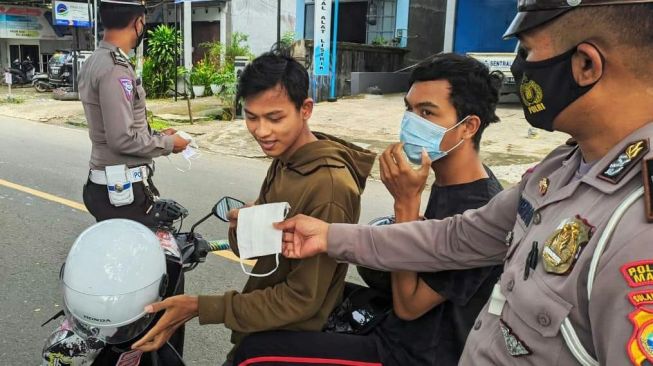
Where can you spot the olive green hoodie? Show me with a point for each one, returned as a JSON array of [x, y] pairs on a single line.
[[323, 179]]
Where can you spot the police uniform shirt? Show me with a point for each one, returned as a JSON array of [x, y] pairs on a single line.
[[114, 104], [438, 337], [545, 231]]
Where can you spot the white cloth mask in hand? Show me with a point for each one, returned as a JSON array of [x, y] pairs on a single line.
[[256, 235], [190, 152]]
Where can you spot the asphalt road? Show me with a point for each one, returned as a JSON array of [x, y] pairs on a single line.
[[36, 233]]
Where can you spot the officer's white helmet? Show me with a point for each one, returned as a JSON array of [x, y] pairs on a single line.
[[113, 270]]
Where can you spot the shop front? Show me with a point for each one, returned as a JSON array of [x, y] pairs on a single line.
[[28, 32]]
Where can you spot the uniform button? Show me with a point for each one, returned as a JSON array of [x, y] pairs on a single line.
[[510, 285], [544, 319], [478, 324], [537, 218]]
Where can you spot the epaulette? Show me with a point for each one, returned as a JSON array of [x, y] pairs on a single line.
[[119, 59]]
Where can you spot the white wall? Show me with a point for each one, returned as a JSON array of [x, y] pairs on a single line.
[[206, 14], [258, 19]]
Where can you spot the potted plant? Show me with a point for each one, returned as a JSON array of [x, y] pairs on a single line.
[[216, 83], [200, 77], [183, 79]]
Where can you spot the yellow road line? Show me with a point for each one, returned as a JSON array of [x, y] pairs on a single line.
[[79, 206], [43, 195]]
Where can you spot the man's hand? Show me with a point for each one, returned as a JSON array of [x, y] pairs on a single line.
[[178, 310], [303, 236], [232, 216], [403, 182], [179, 144], [168, 131]]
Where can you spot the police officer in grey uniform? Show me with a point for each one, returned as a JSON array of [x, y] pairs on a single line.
[[575, 235], [123, 145]]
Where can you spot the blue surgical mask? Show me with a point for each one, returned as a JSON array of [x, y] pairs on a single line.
[[418, 133]]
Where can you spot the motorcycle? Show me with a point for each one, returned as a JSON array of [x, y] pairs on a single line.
[[21, 72], [59, 75], [184, 251]]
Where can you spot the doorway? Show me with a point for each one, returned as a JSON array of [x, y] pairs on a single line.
[[204, 32], [22, 52]]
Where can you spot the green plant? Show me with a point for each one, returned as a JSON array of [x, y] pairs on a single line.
[[214, 52], [159, 73], [237, 47], [226, 78], [288, 39], [12, 100], [380, 41], [201, 74]]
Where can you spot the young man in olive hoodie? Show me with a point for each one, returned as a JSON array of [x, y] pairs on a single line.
[[318, 175]]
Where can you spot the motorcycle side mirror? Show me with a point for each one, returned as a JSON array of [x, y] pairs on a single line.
[[226, 204]]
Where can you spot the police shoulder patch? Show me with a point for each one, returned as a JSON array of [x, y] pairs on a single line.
[[127, 88], [625, 161], [638, 273], [641, 298], [119, 59], [640, 345]]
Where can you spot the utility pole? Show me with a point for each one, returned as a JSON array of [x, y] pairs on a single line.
[[188, 35], [95, 24], [278, 22]]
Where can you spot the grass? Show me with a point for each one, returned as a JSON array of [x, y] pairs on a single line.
[[159, 124], [12, 100]]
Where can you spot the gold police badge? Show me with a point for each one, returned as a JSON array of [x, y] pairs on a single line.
[[543, 185], [563, 248], [532, 95]]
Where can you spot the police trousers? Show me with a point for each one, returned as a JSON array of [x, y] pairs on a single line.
[[96, 200]]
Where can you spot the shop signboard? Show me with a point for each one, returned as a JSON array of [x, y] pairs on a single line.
[[72, 14], [322, 35], [23, 22]]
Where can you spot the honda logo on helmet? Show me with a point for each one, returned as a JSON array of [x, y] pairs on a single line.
[[96, 319]]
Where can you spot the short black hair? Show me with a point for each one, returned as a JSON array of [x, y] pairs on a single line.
[[119, 16], [474, 90], [627, 26], [272, 69]]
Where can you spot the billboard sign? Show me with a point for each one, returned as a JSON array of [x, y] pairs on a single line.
[[72, 14]]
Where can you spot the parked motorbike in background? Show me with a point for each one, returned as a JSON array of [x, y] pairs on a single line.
[[59, 73], [21, 72]]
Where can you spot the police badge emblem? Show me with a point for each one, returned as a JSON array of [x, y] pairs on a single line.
[[543, 185], [563, 248], [625, 161], [640, 345]]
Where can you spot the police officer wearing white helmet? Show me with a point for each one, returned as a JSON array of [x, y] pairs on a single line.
[[575, 235], [119, 183]]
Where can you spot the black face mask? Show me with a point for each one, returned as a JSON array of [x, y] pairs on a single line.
[[139, 37], [547, 87]]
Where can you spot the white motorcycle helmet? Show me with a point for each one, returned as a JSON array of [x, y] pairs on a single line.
[[113, 270]]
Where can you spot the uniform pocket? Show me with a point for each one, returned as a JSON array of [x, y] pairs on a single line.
[[541, 309], [535, 314]]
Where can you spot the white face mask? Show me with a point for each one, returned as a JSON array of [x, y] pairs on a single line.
[[190, 153], [256, 235]]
